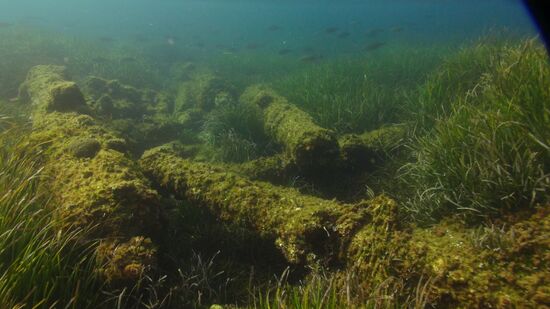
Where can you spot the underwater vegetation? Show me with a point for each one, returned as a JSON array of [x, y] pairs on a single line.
[[411, 178]]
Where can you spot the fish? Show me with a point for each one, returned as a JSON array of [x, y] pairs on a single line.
[[284, 51], [374, 46], [331, 30], [343, 35], [309, 49], [4, 24], [273, 28]]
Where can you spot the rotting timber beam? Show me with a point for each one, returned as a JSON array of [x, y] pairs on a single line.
[[92, 182], [304, 228], [312, 148]]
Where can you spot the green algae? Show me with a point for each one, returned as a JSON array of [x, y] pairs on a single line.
[[312, 148], [204, 91], [48, 91], [84, 148], [92, 184], [305, 228], [370, 149], [467, 272], [466, 266]]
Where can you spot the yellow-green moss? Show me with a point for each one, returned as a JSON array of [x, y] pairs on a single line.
[[370, 149], [305, 228], [277, 169], [91, 183], [504, 266], [204, 91], [129, 261], [311, 147], [48, 91]]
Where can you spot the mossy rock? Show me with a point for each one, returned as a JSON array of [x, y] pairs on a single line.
[[304, 228], [370, 150], [84, 147], [205, 91], [116, 143], [48, 90], [313, 149]]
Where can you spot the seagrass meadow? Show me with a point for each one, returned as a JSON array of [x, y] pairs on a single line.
[[260, 154]]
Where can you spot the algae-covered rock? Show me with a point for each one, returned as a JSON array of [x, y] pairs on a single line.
[[48, 90], [371, 149], [277, 169], [116, 143], [128, 262], [304, 228], [504, 264], [205, 91], [312, 148], [84, 147], [106, 191]]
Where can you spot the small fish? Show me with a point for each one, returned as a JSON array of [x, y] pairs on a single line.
[[374, 46], [285, 51], [4, 24], [331, 30], [200, 44], [343, 34], [273, 28], [170, 41]]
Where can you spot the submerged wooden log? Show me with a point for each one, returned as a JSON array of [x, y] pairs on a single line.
[[92, 182], [312, 148], [305, 228]]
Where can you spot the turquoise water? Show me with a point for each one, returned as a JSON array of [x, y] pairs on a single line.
[[289, 28]]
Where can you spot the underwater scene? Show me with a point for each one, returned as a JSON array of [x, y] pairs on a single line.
[[273, 154]]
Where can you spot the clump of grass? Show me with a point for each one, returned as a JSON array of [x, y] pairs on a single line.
[[353, 95], [40, 266], [340, 290], [342, 96], [234, 133], [453, 79], [492, 152]]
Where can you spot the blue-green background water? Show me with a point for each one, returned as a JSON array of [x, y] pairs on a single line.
[[283, 27]]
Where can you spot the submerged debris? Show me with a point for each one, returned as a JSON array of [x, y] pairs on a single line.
[[312, 148]]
